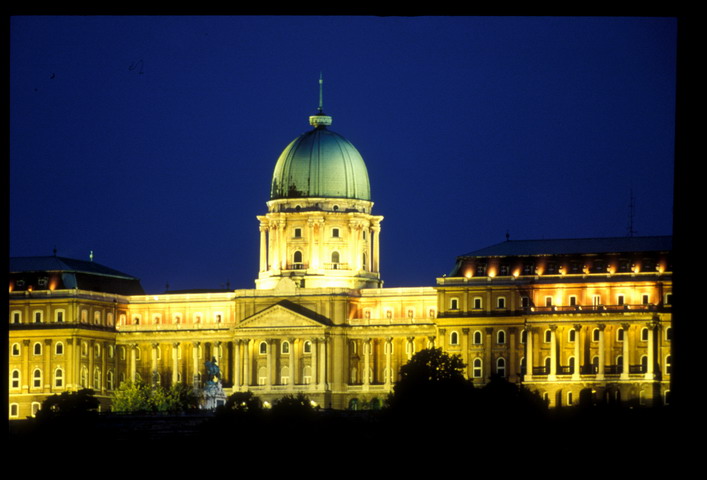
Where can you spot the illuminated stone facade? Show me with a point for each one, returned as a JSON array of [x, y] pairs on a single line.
[[568, 318]]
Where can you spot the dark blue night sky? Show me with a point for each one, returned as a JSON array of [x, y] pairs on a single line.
[[151, 141]]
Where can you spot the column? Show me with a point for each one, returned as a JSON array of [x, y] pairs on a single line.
[[263, 248], [375, 237], [312, 262], [175, 363], [195, 363], [153, 367], [314, 366], [488, 343], [600, 372], [237, 365], [528, 353], [48, 377], [323, 363], [465, 350], [133, 361], [269, 373], [577, 353], [388, 362], [292, 365], [247, 369], [366, 363], [512, 367], [91, 356], [552, 374], [626, 370], [650, 370]]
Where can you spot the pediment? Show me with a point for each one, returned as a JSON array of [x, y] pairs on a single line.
[[285, 315]]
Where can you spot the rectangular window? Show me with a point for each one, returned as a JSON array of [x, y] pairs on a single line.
[[573, 301], [16, 317], [60, 316], [298, 233], [620, 300], [645, 299], [477, 303], [37, 317]]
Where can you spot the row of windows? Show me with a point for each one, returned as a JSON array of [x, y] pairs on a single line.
[[177, 318], [38, 316], [551, 268], [477, 336], [37, 349], [335, 233], [501, 303], [58, 378], [389, 313]]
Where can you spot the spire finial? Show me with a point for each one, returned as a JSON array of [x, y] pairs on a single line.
[[320, 120], [321, 94]]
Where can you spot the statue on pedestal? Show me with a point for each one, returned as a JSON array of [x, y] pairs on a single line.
[[213, 390]]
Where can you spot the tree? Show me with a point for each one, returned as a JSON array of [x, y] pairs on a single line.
[[81, 404], [432, 381], [138, 397]]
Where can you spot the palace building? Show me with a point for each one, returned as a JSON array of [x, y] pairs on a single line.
[[571, 319]]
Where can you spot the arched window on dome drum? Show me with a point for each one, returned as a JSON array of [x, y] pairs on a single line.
[[335, 260]]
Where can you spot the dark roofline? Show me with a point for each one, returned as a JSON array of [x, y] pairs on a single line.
[[63, 264], [573, 246]]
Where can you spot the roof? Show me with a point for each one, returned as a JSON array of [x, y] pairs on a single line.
[[571, 246], [61, 264]]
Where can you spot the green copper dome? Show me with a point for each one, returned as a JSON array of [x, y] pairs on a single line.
[[320, 163]]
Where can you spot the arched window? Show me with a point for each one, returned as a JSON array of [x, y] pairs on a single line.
[[59, 348], [595, 335], [297, 259], [620, 335], [501, 302], [15, 379], [285, 376], [15, 349], [477, 370], [572, 364], [501, 337], [335, 259], [285, 347], [454, 338], [307, 348], [644, 334], [110, 380], [37, 348], [454, 304], [523, 336], [644, 363], [478, 338], [501, 367], [37, 378], [548, 336], [572, 335], [59, 378], [263, 348], [669, 334]]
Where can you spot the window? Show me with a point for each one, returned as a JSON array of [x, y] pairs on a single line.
[[297, 259], [668, 299], [285, 376], [285, 347], [37, 378], [620, 363], [572, 335], [218, 317], [110, 380], [548, 301], [501, 337], [573, 300], [298, 233], [595, 335], [478, 338], [570, 399], [59, 378], [620, 300], [503, 270], [15, 379], [571, 361], [37, 317], [263, 348], [14, 410], [501, 302], [644, 299], [307, 347], [644, 334], [596, 300], [335, 259], [523, 336], [411, 314], [15, 349], [548, 336], [620, 335], [525, 302], [59, 316], [37, 349], [335, 232], [59, 348], [109, 319], [669, 334], [454, 304], [16, 317], [477, 370], [35, 408], [501, 367], [454, 338], [97, 318], [477, 303]]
